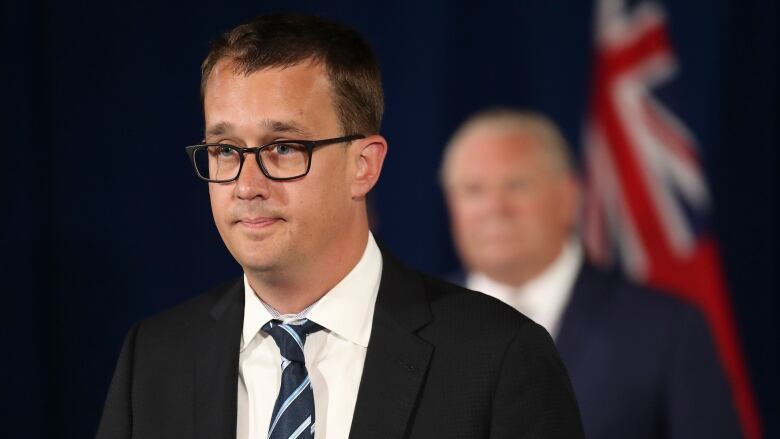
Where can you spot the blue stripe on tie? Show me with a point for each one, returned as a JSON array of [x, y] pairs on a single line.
[[289, 401], [293, 334], [300, 428], [295, 401]]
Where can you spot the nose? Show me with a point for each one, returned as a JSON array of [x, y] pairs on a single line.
[[498, 203], [252, 183]]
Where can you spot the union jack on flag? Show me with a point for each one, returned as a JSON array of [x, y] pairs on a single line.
[[647, 201]]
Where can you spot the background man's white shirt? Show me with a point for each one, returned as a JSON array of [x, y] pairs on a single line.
[[334, 356], [543, 298]]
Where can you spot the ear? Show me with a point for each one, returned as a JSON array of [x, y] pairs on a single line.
[[370, 156]]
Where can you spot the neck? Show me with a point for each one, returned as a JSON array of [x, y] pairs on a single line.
[[514, 278], [519, 273], [291, 291]]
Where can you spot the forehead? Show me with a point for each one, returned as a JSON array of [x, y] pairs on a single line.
[[301, 92], [486, 153]]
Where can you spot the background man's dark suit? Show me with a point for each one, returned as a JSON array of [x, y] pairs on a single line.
[[642, 363], [442, 362]]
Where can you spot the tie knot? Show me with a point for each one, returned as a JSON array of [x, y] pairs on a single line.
[[291, 337]]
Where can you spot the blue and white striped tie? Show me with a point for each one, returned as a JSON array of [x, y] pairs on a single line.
[[293, 415]]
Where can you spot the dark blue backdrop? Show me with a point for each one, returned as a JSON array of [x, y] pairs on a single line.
[[103, 222]]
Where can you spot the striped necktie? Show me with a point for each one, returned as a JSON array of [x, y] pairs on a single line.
[[293, 415]]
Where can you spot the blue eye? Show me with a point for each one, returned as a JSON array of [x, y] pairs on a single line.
[[221, 151], [284, 149], [288, 150], [225, 151]]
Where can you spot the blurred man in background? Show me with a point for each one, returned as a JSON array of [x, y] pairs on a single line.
[[642, 364]]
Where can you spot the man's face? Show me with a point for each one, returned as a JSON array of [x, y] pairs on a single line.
[[511, 207], [277, 225]]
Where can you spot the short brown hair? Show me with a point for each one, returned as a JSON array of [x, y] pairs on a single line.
[[284, 40]]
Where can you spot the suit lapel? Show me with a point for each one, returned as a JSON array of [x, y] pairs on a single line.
[[216, 367], [397, 360]]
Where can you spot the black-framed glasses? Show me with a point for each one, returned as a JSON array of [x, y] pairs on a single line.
[[279, 160]]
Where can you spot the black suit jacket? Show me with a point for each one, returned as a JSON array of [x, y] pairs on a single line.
[[442, 362]]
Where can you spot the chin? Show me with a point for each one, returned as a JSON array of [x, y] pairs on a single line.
[[499, 249], [256, 257], [256, 267], [499, 256], [259, 263]]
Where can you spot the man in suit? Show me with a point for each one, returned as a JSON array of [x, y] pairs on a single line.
[[324, 329], [642, 364]]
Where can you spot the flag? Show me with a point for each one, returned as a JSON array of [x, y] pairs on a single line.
[[647, 203]]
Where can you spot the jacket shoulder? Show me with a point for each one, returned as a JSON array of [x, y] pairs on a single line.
[[191, 313], [462, 307], [625, 298]]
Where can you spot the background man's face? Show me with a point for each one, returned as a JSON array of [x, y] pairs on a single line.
[[511, 208], [271, 225]]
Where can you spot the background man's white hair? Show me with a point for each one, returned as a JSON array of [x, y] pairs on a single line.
[[501, 120]]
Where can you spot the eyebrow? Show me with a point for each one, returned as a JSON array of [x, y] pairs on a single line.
[[281, 127], [273, 126], [218, 129]]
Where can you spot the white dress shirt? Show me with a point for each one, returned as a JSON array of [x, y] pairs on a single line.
[[334, 356], [543, 298]]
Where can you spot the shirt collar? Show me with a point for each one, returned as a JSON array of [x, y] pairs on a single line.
[[346, 310], [544, 297], [256, 314]]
